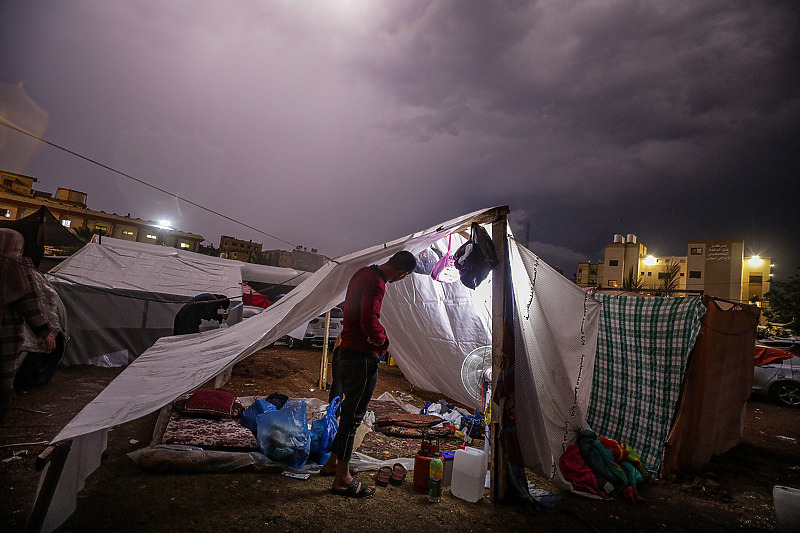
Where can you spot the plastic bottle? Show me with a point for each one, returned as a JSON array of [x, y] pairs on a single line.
[[435, 478]]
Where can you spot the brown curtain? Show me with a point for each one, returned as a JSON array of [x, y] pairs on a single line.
[[718, 381]]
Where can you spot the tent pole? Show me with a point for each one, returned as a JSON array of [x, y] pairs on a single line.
[[498, 477], [323, 366]]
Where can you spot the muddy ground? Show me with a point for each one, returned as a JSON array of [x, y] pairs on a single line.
[[734, 493]]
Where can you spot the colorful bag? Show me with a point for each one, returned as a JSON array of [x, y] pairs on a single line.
[[445, 270]]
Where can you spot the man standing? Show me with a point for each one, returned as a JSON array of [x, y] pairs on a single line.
[[363, 342]]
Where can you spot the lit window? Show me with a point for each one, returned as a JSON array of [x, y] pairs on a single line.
[[66, 222], [151, 236], [696, 251], [5, 213], [184, 245], [127, 232], [612, 283], [100, 228]]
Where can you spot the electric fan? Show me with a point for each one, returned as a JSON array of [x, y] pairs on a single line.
[[476, 373]]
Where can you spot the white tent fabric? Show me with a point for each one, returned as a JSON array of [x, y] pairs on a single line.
[[555, 339], [122, 296], [432, 327]]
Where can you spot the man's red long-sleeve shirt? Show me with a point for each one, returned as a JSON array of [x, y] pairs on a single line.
[[362, 312]]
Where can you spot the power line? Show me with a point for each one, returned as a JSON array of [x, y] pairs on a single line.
[[141, 181]]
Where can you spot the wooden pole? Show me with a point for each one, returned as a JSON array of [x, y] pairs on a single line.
[[323, 369], [498, 477]]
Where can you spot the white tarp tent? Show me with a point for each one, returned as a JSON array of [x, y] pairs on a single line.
[[432, 327], [122, 296]]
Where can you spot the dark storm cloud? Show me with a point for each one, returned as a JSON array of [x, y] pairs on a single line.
[[343, 124]]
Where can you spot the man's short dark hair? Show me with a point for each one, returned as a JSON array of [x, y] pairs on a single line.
[[404, 261]]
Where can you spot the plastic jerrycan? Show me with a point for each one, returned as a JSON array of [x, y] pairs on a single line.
[[469, 474]]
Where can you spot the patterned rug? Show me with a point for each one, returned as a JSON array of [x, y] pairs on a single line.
[[382, 446]]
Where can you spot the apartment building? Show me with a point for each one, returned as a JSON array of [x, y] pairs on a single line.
[[717, 267], [18, 199], [589, 274], [239, 249]]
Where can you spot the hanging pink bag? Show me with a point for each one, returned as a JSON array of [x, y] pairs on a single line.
[[445, 269]]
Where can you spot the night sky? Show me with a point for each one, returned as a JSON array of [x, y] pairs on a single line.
[[339, 124]]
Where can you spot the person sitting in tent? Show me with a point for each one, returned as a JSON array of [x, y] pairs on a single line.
[[363, 341], [202, 307], [21, 303]]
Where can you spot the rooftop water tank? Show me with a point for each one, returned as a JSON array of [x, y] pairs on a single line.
[[631, 238], [618, 238]]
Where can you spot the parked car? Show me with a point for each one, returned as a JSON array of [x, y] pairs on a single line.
[[780, 379], [35, 367], [315, 330], [790, 344]]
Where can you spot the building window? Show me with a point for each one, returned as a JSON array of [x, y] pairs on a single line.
[[663, 275], [127, 232], [696, 251], [650, 274], [756, 278], [151, 236], [613, 262], [5, 213], [642, 273], [612, 283], [100, 228], [7, 182], [66, 222], [695, 274], [184, 245]]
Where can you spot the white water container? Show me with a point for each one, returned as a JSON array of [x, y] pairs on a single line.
[[787, 508], [469, 474]]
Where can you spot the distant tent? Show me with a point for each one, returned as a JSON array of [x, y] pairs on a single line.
[[42, 229], [122, 296]]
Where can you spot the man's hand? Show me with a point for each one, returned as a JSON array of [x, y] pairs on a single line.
[[50, 343]]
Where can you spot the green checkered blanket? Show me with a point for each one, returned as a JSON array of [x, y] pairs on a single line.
[[642, 348]]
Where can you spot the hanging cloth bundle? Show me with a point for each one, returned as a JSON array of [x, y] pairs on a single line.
[[475, 258]]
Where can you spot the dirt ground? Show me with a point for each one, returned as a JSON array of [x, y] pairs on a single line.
[[734, 493]]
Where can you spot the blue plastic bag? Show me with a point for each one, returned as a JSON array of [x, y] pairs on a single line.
[[250, 415], [323, 432], [283, 435]]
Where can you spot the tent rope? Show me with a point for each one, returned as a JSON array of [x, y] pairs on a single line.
[[9, 125]]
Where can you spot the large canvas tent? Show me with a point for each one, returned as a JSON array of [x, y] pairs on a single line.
[[122, 296], [542, 327]]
